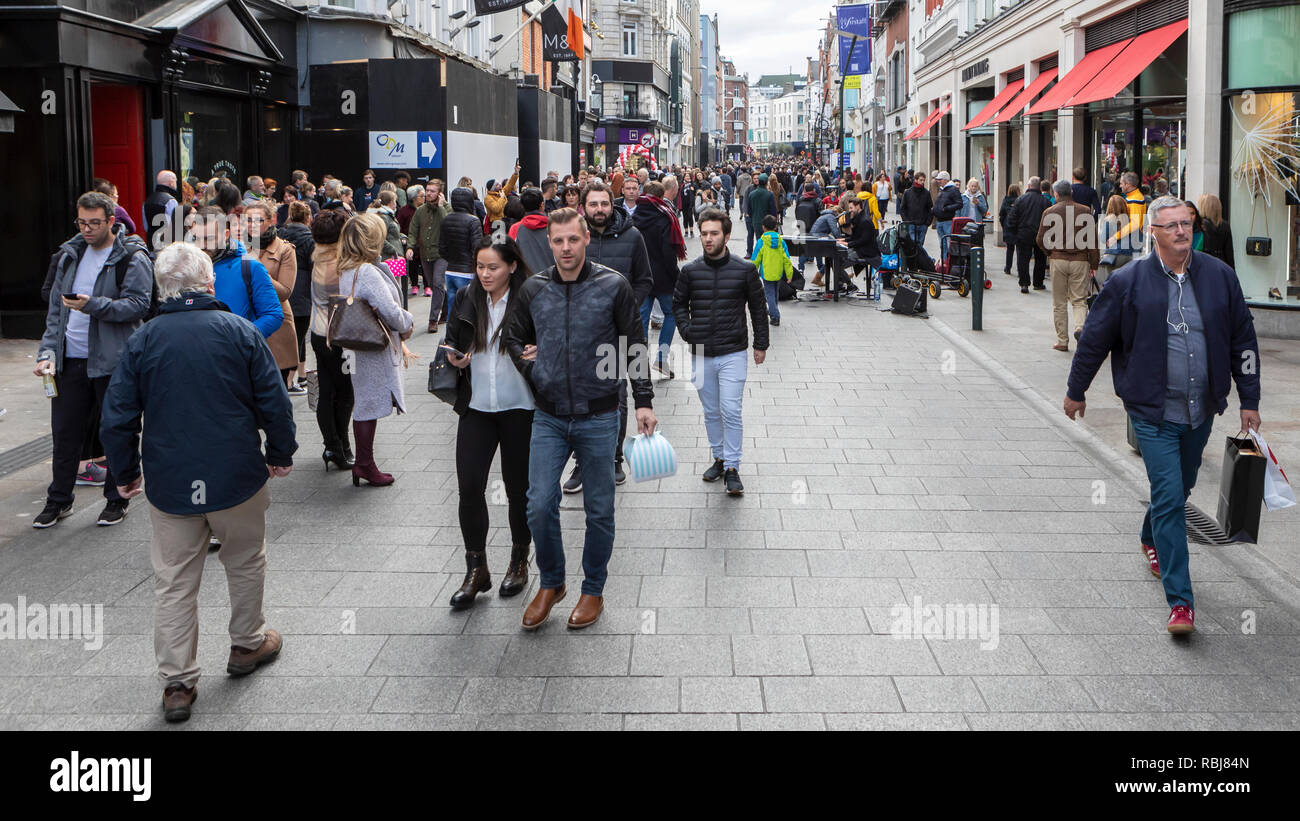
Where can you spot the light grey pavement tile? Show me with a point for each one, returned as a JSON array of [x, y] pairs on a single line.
[[556, 651], [439, 656], [386, 722], [693, 564], [968, 657], [1027, 694], [823, 592], [1129, 694], [256, 694], [750, 592], [830, 694], [870, 655], [722, 694], [681, 655], [1257, 721], [680, 721], [676, 591], [1072, 654], [546, 722], [765, 563], [612, 695], [1041, 722], [786, 722], [804, 540], [770, 655], [939, 694], [774, 621], [1162, 722], [674, 620], [902, 722], [419, 694], [857, 564], [292, 722]]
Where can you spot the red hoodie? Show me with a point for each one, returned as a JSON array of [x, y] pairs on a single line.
[[530, 221]]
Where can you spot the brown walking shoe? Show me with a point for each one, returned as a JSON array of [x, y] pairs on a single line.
[[244, 661], [539, 609], [587, 611], [177, 700]]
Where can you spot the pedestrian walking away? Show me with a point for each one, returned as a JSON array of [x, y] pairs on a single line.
[[772, 259], [1179, 333], [1025, 217], [200, 486], [577, 314], [1068, 235]]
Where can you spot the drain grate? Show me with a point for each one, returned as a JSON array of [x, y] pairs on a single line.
[[26, 455], [1201, 529]]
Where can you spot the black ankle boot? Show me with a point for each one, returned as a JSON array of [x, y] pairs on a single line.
[[477, 580], [517, 573]]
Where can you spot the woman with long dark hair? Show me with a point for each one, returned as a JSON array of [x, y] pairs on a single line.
[[495, 406]]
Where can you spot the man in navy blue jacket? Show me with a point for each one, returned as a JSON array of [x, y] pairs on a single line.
[[205, 383], [1180, 333]]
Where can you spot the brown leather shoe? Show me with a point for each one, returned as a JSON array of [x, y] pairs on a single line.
[[587, 611], [539, 609], [243, 661], [177, 700]]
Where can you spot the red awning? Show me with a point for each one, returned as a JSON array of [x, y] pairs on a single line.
[[1076, 78], [987, 112], [1141, 52], [1031, 91], [929, 122]]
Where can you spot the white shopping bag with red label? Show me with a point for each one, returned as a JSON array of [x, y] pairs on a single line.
[[1278, 492]]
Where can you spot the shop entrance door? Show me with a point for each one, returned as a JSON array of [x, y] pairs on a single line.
[[117, 133]]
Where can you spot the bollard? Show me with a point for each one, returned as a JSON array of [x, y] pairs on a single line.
[[976, 274]]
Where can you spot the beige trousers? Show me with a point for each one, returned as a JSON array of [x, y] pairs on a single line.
[[1069, 285], [180, 547]]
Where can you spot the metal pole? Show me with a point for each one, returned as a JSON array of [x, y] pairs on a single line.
[[976, 275]]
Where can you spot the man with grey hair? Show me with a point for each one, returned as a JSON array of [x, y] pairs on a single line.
[[256, 190], [204, 480], [1181, 334], [946, 206], [1068, 233], [1022, 229], [158, 208]]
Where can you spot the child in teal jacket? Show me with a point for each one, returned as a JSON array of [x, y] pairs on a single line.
[[772, 259]]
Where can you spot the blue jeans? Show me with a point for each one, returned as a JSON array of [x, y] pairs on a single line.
[[592, 440], [917, 233], [720, 383], [666, 330], [773, 291], [944, 229], [749, 239], [455, 281], [1172, 454]]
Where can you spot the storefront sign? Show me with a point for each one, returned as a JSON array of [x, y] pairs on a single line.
[[854, 20], [494, 6], [406, 149], [972, 71], [555, 37]]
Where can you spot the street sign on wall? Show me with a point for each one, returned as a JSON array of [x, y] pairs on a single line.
[[849, 145], [405, 149]]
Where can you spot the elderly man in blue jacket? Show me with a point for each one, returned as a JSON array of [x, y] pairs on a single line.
[[1180, 333], [242, 283], [206, 385]]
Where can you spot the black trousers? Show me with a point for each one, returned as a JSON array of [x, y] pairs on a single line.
[[1011, 255], [1026, 251], [334, 404], [71, 412], [477, 438], [300, 326]]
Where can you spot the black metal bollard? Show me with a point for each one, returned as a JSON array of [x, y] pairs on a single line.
[[977, 288]]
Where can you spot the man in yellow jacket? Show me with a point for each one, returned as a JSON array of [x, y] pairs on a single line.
[[873, 207], [1136, 202], [494, 199], [772, 258]]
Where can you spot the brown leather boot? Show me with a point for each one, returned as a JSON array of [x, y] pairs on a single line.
[[539, 610], [587, 611], [243, 661], [477, 580], [516, 574], [177, 701]]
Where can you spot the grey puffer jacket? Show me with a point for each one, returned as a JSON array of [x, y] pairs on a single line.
[[114, 315], [576, 326]]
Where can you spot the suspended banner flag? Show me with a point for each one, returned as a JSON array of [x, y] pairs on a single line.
[[562, 31], [494, 6], [854, 20]]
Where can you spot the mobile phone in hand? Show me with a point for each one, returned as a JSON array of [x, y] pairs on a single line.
[[70, 296], [450, 349]]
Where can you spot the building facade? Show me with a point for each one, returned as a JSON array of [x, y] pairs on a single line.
[[735, 111]]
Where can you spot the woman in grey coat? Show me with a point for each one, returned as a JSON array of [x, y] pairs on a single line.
[[376, 375]]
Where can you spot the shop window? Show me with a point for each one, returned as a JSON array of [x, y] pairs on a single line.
[[1262, 53], [1264, 191]]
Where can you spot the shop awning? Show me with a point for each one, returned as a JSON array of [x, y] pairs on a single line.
[[1141, 52], [1078, 77], [987, 112], [1023, 99], [929, 122]]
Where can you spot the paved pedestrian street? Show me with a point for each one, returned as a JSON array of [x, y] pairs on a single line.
[[898, 484]]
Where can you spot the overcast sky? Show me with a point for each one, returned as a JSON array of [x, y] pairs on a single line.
[[769, 36]]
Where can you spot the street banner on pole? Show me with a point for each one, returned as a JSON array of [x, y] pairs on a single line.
[[494, 6], [854, 20], [557, 45]]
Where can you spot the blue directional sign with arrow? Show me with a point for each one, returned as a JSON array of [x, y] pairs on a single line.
[[429, 151]]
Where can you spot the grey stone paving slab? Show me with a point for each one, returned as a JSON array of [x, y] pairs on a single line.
[[680, 722], [617, 695], [681, 655], [828, 694]]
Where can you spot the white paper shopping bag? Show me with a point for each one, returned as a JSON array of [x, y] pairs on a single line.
[[1278, 492], [650, 457]]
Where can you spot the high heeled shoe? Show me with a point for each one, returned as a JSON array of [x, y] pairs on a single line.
[[337, 459], [372, 474], [363, 433]]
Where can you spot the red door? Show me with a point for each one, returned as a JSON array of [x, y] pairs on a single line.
[[117, 132]]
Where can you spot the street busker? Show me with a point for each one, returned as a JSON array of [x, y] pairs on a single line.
[[495, 406], [772, 258], [1179, 333], [578, 314], [714, 293], [204, 480]]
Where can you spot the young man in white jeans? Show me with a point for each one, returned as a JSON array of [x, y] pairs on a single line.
[[709, 305]]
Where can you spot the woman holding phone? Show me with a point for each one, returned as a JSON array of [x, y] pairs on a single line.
[[495, 406]]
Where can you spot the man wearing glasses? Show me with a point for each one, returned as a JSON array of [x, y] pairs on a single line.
[[1181, 335], [100, 295]]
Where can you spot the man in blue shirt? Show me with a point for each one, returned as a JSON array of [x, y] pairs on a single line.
[[1180, 333]]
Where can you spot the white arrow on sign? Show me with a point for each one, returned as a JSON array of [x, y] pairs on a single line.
[[428, 149]]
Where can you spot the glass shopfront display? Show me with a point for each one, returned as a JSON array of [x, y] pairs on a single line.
[[979, 161], [1014, 165], [211, 135], [1047, 150]]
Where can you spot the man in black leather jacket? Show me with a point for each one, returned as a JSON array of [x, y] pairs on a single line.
[[709, 305], [1022, 223]]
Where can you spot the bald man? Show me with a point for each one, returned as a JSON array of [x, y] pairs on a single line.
[[158, 208]]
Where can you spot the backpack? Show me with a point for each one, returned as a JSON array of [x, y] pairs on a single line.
[[120, 269]]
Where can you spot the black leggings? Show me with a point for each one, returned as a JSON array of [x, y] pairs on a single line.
[[300, 326], [477, 438], [334, 404]]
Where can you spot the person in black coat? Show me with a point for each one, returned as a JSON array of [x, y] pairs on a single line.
[[296, 232], [916, 209], [864, 249], [1024, 219], [665, 245], [1218, 234], [1004, 214], [459, 236]]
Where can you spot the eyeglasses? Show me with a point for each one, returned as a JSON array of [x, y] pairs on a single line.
[[1174, 226], [92, 224]]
